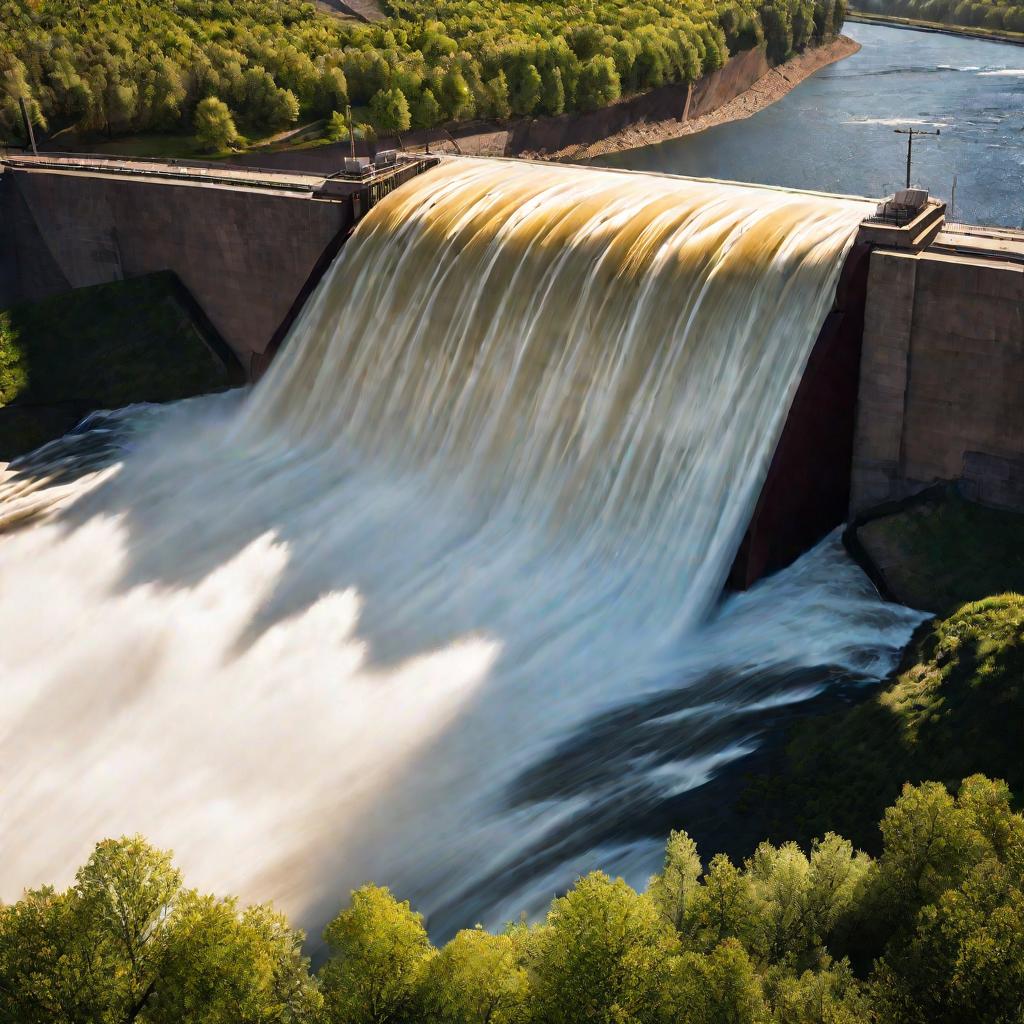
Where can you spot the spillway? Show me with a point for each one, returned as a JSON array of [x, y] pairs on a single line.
[[324, 631]]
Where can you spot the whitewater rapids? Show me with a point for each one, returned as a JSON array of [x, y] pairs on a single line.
[[319, 633]]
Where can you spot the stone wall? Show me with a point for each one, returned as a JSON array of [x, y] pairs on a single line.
[[243, 252], [942, 378]]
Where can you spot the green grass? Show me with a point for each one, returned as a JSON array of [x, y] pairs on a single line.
[[954, 707], [140, 340], [938, 550]]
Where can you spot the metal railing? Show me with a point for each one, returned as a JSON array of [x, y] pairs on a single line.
[[374, 191]]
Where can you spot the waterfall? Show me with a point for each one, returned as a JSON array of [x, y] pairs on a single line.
[[314, 634], [606, 354]]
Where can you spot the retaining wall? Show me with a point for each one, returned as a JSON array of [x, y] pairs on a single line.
[[244, 253], [942, 376]]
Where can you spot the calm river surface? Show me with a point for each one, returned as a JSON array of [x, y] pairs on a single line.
[[835, 131]]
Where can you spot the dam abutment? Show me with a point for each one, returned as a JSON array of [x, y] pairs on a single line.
[[942, 371], [244, 241]]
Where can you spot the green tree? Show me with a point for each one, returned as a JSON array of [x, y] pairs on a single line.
[[553, 92], [673, 891], [456, 97], [128, 943], [390, 110], [332, 89], [525, 89], [477, 978], [598, 83], [720, 987], [214, 125], [426, 111], [13, 368], [337, 127], [829, 994], [603, 955], [727, 906], [379, 950]]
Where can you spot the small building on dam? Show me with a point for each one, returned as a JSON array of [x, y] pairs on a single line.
[[916, 376]]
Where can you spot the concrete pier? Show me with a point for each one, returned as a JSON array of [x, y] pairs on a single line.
[[942, 370]]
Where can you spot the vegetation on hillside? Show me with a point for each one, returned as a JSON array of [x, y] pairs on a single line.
[[102, 348], [954, 708], [120, 66], [932, 932], [993, 15], [937, 550]]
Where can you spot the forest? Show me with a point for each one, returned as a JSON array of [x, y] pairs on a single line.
[[250, 68], [993, 15], [929, 932]]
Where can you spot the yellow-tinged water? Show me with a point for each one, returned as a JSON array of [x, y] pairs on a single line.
[[611, 354]]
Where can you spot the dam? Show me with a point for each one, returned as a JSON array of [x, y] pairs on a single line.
[[250, 244], [489, 488]]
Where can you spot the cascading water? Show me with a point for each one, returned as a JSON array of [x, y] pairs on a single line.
[[336, 629]]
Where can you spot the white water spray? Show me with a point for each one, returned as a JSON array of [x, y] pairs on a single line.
[[310, 636]]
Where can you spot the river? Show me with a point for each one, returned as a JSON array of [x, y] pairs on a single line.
[[835, 132]]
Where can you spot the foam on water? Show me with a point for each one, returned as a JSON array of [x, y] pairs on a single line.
[[312, 634]]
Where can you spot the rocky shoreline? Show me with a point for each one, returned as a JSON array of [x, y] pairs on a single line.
[[771, 87]]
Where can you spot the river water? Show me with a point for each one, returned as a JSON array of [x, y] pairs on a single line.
[[835, 132]]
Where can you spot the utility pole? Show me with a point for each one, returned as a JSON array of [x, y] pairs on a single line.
[[351, 131], [910, 133], [28, 125]]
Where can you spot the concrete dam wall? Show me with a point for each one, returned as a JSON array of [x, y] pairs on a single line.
[[243, 242], [942, 375]]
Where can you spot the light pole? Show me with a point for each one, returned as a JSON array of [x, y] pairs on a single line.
[[910, 133]]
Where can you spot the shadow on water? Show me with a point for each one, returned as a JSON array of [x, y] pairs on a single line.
[[676, 760], [605, 748]]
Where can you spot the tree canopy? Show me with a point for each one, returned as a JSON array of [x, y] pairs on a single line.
[[121, 66], [929, 932]]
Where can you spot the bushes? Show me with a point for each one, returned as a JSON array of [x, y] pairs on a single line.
[[932, 932], [214, 125], [137, 65], [953, 709]]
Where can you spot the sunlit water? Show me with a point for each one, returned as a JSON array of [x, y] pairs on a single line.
[[437, 604], [836, 131]]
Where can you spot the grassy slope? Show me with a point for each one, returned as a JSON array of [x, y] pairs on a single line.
[[101, 347], [937, 551], [955, 707]]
